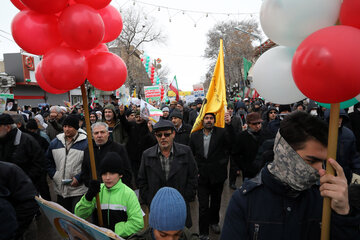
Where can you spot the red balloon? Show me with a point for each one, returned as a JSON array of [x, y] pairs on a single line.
[[35, 32], [43, 84], [81, 27], [349, 13], [46, 6], [325, 65], [97, 4], [100, 48], [113, 23], [64, 68], [18, 4], [107, 71]]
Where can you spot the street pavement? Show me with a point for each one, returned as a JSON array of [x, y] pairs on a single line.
[[46, 232]]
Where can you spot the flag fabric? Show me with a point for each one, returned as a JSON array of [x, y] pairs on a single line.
[[134, 93], [247, 66], [215, 101], [174, 87], [149, 112]]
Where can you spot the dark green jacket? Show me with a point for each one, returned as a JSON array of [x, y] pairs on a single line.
[[147, 235]]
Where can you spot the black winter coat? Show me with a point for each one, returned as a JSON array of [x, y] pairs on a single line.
[[265, 208], [140, 139], [23, 150], [355, 124], [99, 153], [347, 155], [245, 149], [20, 193], [183, 135], [212, 169], [182, 176]]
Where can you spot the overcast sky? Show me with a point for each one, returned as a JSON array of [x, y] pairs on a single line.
[[182, 53]]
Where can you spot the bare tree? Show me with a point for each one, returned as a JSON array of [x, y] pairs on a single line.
[[237, 45], [137, 31]]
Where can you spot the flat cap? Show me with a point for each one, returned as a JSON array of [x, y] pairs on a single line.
[[163, 125]]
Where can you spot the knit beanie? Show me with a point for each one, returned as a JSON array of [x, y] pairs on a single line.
[[112, 162], [167, 210], [71, 121], [176, 113]]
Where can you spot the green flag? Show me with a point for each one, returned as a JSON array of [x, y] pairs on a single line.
[[247, 66]]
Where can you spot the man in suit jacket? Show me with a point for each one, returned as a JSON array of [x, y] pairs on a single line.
[[210, 147], [168, 164]]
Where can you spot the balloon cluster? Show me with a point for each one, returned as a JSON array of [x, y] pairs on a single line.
[[313, 56], [71, 34], [162, 92], [155, 80]]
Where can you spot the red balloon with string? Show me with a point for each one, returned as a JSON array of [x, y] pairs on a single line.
[[81, 27], [112, 21], [43, 84], [350, 13], [107, 71], [35, 32], [325, 65], [64, 68]]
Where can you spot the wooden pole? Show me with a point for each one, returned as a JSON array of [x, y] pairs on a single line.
[[332, 147], [91, 149]]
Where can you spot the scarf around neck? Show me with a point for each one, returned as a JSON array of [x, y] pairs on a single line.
[[290, 168]]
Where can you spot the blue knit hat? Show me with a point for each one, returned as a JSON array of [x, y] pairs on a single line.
[[167, 210]]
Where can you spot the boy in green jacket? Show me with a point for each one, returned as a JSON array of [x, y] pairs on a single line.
[[120, 207]]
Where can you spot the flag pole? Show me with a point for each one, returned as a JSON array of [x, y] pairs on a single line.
[[91, 149], [332, 148]]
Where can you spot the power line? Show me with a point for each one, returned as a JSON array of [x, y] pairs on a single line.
[[5, 32], [7, 38], [192, 11]]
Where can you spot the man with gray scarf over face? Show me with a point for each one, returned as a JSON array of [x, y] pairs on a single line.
[[284, 201]]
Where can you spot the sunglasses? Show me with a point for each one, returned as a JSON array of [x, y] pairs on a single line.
[[272, 112], [255, 123], [159, 135]]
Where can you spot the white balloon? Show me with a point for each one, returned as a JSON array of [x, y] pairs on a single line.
[[272, 76], [289, 22]]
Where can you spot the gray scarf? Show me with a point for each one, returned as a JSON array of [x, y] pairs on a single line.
[[290, 168]]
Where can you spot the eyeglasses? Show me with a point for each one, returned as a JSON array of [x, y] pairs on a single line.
[[255, 123], [159, 135]]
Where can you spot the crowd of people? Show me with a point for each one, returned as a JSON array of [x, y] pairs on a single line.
[[276, 151]]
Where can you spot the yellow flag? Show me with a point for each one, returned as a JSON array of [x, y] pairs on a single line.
[[215, 101], [134, 94]]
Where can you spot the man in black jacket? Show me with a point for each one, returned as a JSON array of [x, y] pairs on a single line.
[[210, 147], [21, 149], [247, 143], [182, 129], [102, 145], [168, 164], [285, 200], [17, 188], [140, 138]]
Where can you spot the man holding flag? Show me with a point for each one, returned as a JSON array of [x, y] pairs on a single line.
[[210, 143]]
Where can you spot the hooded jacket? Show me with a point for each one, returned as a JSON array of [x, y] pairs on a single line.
[[118, 133], [120, 209], [63, 164], [265, 208]]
